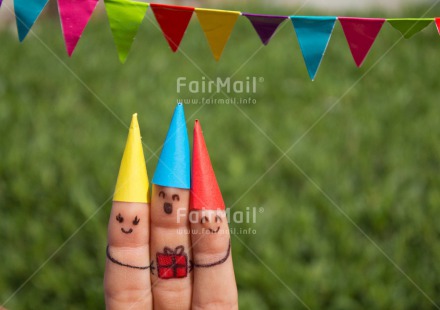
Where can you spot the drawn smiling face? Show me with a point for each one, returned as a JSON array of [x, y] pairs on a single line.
[[128, 224], [211, 228], [120, 219], [212, 225], [168, 205], [209, 222]]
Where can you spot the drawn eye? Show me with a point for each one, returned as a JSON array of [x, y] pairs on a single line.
[[162, 194], [176, 197], [136, 220], [218, 219], [204, 220], [119, 218]]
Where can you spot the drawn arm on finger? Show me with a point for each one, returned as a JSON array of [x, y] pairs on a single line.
[[219, 262], [115, 261]]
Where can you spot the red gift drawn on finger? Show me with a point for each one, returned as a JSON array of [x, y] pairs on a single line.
[[172, 263]]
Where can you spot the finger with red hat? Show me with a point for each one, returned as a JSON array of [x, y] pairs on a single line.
[[214, 279]]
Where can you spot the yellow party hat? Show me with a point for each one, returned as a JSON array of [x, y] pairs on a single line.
[[132, 184]]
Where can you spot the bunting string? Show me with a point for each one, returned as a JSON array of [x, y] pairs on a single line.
[[126, 16]]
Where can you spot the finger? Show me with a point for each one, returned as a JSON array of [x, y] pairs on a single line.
[[170, 244], [214, 279], [170, 240], [127, 274]]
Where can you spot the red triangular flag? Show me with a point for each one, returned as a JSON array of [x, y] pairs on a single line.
[[437, 22], [173, 20], [74, 15], [360, 34], [205, 193]]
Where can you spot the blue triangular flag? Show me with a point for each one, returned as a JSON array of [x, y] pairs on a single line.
[[26, 13], [173, 168], [313, 33]]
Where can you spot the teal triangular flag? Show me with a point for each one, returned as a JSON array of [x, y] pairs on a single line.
[[313, 33], [26, 13]]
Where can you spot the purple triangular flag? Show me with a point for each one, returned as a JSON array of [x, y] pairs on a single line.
[[265, 25]]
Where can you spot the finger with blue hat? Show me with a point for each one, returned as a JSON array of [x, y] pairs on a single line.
[[170, 239]]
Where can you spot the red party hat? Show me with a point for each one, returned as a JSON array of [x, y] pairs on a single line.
[[205, 193]]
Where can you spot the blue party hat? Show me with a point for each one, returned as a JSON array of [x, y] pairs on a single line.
[[173, 168]]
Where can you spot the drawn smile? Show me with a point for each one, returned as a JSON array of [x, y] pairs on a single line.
[[205, 219], [127, 231], [212, 231], [120, 219]]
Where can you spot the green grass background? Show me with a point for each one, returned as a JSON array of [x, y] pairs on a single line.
[[351, 212]]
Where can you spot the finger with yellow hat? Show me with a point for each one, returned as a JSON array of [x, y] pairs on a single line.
[[127, 270]]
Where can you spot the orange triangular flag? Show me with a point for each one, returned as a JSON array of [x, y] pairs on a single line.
[[217, 26]]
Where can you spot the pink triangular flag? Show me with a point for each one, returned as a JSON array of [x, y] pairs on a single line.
[[360, 34], [74, 15]]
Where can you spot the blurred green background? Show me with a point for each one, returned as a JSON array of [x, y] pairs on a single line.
[[351, 211]]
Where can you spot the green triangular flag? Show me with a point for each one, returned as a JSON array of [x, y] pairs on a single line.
[[125, 18], [409, 26]]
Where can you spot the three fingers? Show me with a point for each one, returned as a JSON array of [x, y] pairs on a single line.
[[181, 257]]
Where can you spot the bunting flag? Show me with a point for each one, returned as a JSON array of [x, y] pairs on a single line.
[[360, 34], [26, 13], [265, 25], [74, 16], [173, 20], [217, 26], [125, 18], [409, 26], [313, 33]]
